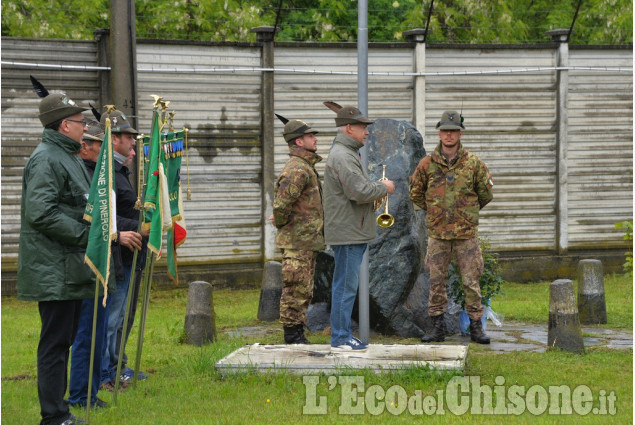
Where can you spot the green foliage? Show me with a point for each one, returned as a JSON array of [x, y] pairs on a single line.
[[490, 282], [525, 21], [628, 236], [452, 21], [72, 19], [228, 20]]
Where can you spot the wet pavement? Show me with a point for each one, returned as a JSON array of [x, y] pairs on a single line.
[[511, 336], [515, 336]]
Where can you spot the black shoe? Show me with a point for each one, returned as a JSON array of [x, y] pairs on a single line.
[[476, 332], [438, 330]]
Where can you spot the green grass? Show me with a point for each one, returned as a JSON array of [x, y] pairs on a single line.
[[184, 387], [529, 302]]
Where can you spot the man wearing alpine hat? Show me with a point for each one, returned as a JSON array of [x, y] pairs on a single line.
[[299, 218], [53, 240], [452, 185], [123, 143], [349, 218]]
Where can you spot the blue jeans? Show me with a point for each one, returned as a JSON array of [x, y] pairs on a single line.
[[348, 258], [116, 305], [80, 353]]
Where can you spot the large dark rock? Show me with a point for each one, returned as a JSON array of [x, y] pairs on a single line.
[[395, 257]]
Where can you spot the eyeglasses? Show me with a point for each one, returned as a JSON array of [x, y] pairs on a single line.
[[82, 122]]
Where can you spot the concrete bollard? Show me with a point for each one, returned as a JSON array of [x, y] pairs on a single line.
[[591, 302], [564, 323], [270, 292], [199, 316]]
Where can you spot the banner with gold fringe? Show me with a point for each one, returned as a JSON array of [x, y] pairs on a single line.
[[101, 213]]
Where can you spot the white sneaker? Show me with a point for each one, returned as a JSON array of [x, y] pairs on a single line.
[[352, 344]]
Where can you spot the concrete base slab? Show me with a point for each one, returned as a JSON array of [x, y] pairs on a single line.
[[316, 358]]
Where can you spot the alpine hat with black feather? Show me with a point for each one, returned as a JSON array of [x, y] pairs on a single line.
[[294, 129], [347, 114], [118, 121], [54, 106]]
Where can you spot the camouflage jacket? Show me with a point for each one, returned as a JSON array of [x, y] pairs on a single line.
[[297, 206], [452, 194]]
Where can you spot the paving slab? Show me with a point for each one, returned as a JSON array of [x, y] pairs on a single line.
[[505, 347], [621, 344], [316, 358]]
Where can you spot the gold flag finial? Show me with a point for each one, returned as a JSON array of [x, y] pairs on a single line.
[[157, 100], [110, 108], [164, 104], [171, 120]]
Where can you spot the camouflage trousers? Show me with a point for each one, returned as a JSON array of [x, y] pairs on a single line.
[[470, 261], [298, 267]]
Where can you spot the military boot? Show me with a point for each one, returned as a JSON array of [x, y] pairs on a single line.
[[438, 330], [476, 332], [300, 338], [294, 334]]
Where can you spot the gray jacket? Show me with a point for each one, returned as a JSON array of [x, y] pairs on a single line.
[[348, 195]]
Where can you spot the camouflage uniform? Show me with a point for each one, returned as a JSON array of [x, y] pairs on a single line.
[[452, 195], [299, 218]]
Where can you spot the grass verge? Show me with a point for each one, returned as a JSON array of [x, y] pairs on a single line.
[[184, 386]]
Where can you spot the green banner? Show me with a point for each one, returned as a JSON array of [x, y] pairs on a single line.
[[101, 212]]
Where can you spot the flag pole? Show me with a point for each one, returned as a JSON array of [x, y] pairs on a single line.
[[101, 273], [91, 364], [144, 310], [131, 284], [153, 152]]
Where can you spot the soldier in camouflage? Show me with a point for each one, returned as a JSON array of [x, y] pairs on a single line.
[[452, 185], [299, 218]]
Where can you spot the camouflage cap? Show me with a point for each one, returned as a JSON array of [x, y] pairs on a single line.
[[57, 106], [451, 120], [296, 128], [118, 122], [95, 133], [350, 115]]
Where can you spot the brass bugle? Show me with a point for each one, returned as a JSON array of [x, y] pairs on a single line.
[[385, 219]]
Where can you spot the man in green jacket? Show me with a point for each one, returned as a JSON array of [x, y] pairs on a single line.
[[452, 185], [53, 239], [349, 220], [299, 218]]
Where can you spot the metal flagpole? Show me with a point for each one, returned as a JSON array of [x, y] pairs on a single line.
[[125, 322], [91, 364], [362, 96], [147, 278], [140, 199]]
